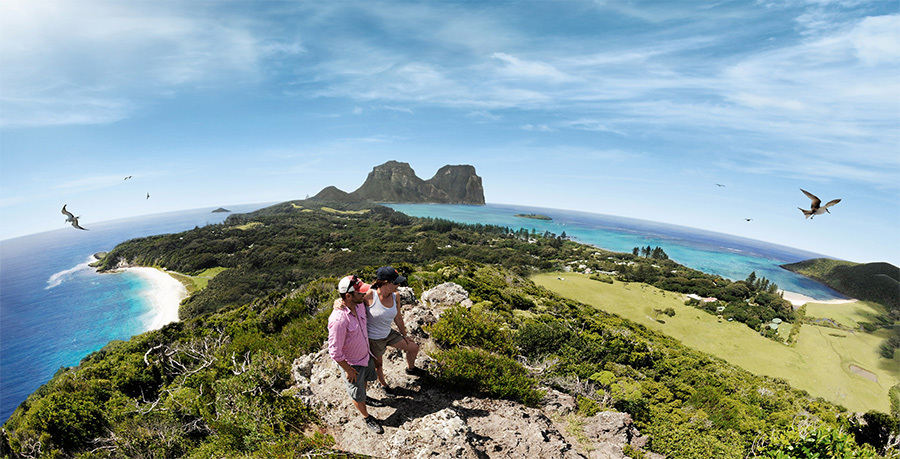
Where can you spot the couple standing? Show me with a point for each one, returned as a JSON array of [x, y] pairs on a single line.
[[359, 331]]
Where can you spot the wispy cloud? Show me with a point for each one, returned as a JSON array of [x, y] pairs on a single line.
[[94, 62]]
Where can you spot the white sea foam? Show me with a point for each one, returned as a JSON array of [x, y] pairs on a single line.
[[62, 276]]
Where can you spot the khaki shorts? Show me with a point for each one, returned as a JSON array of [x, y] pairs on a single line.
[[378, 346]]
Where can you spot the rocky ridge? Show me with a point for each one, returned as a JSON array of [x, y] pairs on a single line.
[[424, 421], [397, 182]]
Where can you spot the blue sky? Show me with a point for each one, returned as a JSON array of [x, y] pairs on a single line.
[[630, 108]]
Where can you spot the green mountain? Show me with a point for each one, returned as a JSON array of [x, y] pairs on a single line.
[[225, 380], [877, 282]]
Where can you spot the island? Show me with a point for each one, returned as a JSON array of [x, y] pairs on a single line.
[[534, 216], [220, 210]]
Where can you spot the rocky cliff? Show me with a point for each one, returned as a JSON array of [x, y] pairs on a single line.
[[421, 420], [394, 181]]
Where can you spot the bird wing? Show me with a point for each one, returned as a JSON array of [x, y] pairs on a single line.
[[831, 203], [66, 212], [75, 224], [815, 200]]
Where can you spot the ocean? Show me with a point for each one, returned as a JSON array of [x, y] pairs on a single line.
[[55, 309], [731, 257]]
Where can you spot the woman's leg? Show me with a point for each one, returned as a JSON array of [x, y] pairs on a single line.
[[379, 370], [411, 348]]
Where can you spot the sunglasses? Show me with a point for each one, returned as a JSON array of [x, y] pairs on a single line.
[[354, 281]]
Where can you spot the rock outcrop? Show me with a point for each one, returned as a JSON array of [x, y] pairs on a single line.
[[422, 420], [396, 182]]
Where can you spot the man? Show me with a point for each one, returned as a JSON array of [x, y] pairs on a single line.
[[348, 345]]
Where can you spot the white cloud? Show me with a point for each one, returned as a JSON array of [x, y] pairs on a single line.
[[538, 128], [519, 68], [94, 61], [392, 108], [877, 40]]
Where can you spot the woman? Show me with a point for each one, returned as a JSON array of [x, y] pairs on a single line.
[[384, 309]]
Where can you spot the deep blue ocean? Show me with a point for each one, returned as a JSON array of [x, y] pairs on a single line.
[[55, 309]]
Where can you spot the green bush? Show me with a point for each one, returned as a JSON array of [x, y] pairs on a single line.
[[812, 443], [541, 338], [491, 374], [460, 326]]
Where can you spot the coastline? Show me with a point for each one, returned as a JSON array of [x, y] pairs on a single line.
[[165, 295], [798, 299]]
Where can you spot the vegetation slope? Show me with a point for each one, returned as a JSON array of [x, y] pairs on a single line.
[[218, 384], [876, 282]]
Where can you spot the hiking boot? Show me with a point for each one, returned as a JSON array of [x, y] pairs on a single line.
[[374, 425], [416, 371], [374, 402]]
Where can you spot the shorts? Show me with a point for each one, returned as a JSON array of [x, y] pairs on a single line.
[[366, 373], [378, 346]]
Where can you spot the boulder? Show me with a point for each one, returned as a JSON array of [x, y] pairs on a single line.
[[444, 296]]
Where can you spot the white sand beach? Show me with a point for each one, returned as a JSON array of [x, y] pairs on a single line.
[[798, 299], [165, 295]]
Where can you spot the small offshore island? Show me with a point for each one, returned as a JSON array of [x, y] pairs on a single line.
[[534, 216]]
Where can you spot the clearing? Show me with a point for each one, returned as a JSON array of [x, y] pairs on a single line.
[[841, 366]]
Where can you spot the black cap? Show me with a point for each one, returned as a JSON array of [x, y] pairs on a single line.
[[388, 273]]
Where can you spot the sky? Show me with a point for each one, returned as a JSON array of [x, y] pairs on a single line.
[[702, 114]]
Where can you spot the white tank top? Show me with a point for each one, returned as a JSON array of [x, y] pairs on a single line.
[[380, 317]]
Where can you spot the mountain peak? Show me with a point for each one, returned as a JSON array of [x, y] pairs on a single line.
[[396, 181]]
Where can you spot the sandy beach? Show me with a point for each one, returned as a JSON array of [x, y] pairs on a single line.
[[799, 300], [165, 295]]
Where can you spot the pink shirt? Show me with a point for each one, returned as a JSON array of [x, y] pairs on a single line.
[[348, 338]]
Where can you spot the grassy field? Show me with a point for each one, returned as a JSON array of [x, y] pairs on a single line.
[[198, 282], [819, 363]]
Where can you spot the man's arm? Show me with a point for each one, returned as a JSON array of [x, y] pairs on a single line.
[[350, 371]]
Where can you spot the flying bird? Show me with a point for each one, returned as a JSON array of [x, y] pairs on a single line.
[[126, 178], [71, 218], [748, 219], [816, 207], [148, 196], [720, 185]]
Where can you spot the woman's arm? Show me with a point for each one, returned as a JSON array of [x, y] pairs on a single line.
[[398, 319]]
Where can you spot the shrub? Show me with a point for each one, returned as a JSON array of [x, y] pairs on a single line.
[[819, 442], [537, 339], [460, 326], [494, 375], [587, 407]]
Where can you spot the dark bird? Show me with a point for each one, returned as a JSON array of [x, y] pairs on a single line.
[[126, 178], [71, 218], [720, 185], [148, 195], [748, 219], [816, 207]]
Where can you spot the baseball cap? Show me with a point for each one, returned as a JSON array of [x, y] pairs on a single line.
[[388, 273], [351, 284]]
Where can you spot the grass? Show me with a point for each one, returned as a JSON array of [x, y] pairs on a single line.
[[345, 212], [818, 363], [198, 282], [849, 315], [247, 226]]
